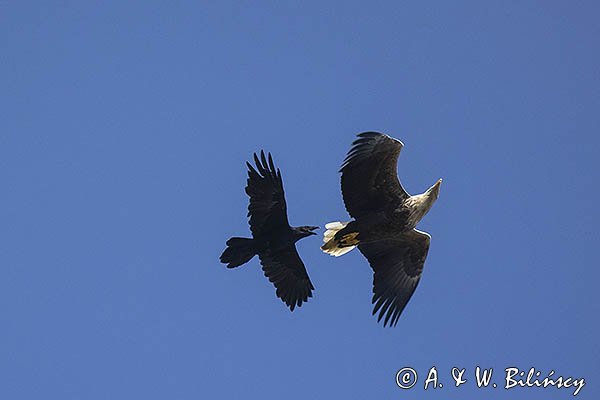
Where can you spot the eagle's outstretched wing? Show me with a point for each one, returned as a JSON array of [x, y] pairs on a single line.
[[369, 178], [267, 209], [398, 264], [286, 271]]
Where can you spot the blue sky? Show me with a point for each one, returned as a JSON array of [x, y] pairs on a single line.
[[124, 134]]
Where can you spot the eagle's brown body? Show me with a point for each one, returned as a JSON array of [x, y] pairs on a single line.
[[385, 217]]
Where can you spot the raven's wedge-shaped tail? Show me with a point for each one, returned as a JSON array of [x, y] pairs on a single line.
[[338, 245], [239, 251]]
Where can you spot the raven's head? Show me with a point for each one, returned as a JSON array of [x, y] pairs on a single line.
[[304, 231]]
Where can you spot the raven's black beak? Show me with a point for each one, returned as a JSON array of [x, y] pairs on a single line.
[[313, 228]]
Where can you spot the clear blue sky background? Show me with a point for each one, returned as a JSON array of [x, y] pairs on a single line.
[[124, 131]]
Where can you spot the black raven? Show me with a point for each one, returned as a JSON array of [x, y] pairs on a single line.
[[273, 239], [385, 216]]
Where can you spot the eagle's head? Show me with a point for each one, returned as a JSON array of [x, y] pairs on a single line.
[[420, 204], [434, 191]]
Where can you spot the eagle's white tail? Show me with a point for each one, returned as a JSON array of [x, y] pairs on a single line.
[[340, 247]]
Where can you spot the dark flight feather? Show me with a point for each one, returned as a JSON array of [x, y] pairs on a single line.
[[267, 208], [286, 271], [369, 179], [398, 264]]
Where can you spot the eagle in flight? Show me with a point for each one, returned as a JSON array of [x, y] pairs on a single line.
[[385, 216], [273, 239]]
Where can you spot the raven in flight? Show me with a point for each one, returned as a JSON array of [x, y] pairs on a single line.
[[385, 216], [273, 239]]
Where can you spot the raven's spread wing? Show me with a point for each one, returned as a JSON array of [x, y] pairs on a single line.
[[286, 271], [398, 264], [369, 178], [268, 212], [267, 209]]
